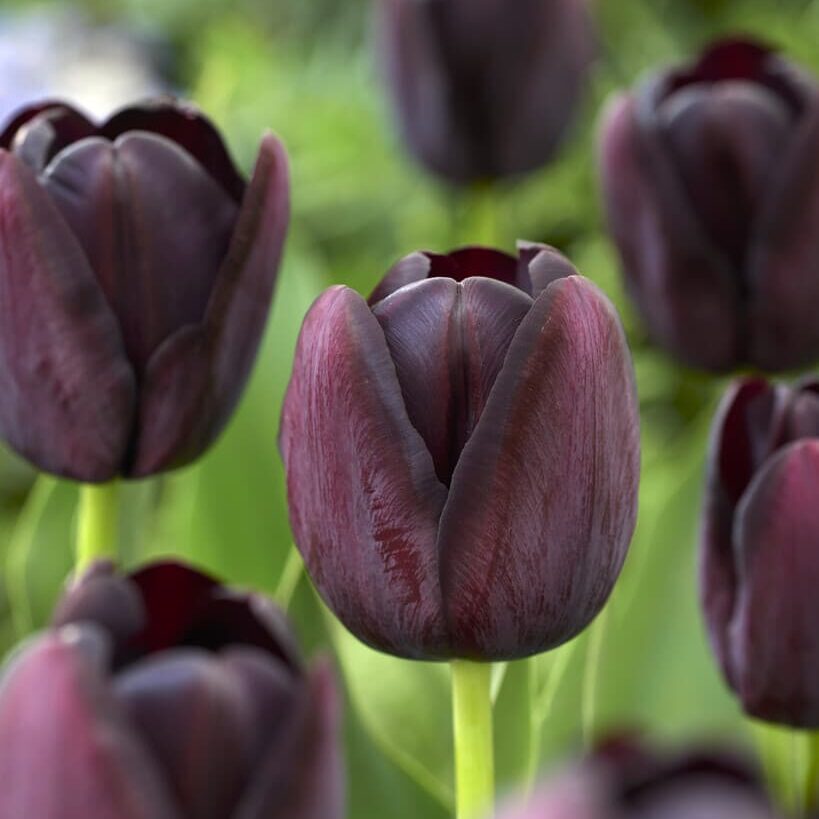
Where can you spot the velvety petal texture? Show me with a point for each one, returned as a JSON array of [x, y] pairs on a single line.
[[462, 458], [709, 184], [163, 695], [153, 270], [759, 555], [481, 92]]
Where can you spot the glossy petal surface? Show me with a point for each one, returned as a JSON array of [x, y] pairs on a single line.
[[194, 380], [774, 640], [448, 341], [543, 500], [363, 494], [67, 752], [155, 227], [69, 398]]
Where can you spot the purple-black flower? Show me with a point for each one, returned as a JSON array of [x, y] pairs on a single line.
[[462, 453], [760, 549], [136, 272], [707, 173], [164, 695]]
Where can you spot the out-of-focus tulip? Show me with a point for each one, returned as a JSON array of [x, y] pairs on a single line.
[[707, 174], [136, 271], [163, 695], [627, 782], [483, 89], [760, 549], [462, 454]]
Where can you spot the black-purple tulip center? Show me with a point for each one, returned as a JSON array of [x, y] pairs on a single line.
[[727, 123]]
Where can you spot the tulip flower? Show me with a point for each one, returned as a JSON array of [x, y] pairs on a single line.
[[136, 272], [760, 549], [707, 178], [163, 695], [462, 454], [629, 782], [482, 90]]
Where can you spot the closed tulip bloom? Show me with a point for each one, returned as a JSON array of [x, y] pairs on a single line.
[[462, 454], [707, 174], [760, 549], [163, 695], [136, 272], [629, 782], [484, 89]]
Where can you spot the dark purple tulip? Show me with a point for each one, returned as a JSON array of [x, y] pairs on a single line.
[[709, 179], [163, 695], [628, 782], [481, 89], [462, 454], [760, 549], [136, 272]]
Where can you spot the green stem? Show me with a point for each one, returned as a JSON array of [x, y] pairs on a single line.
[[472, 723], [98, 523], [812, 773], [790, 765]]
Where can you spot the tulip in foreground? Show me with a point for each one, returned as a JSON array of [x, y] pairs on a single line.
[[462, 454], [707, 173], [760, 549], [136, 272], [163, 695], [626, 781], [485, 89]]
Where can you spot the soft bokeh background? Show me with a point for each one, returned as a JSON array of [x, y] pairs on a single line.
[[305, 69]]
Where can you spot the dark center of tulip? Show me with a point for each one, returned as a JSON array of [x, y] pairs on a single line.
[[448, 336], [727, 122]]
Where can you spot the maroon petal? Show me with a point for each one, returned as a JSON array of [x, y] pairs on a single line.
[[194, 380], [686, 291], [448, 342], [155, 228], [68, 399], [784, 258], [66, 751], [543, 501], [410, 269], [189, 128], [302, 775], [42, 137], [28, 113], [774, 639], [363, 495], [192, 714], [539, 266]]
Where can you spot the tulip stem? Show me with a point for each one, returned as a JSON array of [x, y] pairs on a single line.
[[486, 230], [98, 523], [472, 723]]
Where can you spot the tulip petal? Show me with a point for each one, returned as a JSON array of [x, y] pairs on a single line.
[[686, 291], [65, 752], [784, 258], [539, 266], [191, 713], [25, 115], [543, 500], [448, 341], [69, 391], [189, 128], [774, 639], [364, 499], [410, 269], [42, 137], [194, 380], [155, 228], [302, 775]]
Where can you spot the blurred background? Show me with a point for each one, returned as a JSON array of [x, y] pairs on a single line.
[[306, 69]]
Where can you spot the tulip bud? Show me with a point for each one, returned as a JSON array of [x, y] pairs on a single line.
[[626, 781], [480, 89], [136, 274], [760, 549], [163, 695], [462, 454], [711, 198]]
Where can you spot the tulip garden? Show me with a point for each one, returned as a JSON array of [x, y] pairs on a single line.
[[409, 409]]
